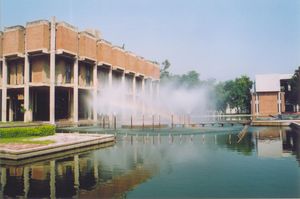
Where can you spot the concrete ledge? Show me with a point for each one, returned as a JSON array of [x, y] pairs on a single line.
[[273, 122], [82, 140]]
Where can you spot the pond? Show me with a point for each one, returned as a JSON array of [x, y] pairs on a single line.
[[262, 162]]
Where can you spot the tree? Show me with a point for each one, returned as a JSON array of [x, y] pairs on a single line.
[[220, 97], [164, 71], [295, 87], [235, 93], [190, 80]]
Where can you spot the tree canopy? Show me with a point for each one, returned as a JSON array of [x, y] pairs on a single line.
[[235, 93], [295, 85]]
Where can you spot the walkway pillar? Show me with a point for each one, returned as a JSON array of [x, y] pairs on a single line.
[[75, 91], [4, 89], [95, 92], [27, 116], [52, 72]]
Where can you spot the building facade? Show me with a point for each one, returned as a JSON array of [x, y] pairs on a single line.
[[269, 96], [49, 70]]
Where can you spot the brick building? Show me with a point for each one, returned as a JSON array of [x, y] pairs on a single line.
[[49, 69], [269, 96]]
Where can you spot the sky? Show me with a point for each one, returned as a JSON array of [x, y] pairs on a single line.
[[220, 39]]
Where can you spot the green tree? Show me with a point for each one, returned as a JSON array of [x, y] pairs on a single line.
[[239, 93], [295, 87], [235, 93], [220, 96], [190, 80], [164, 71]]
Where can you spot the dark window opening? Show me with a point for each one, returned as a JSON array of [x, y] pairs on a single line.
[[68, 73]]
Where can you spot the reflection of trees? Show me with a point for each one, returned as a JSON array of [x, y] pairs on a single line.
[[292, 143], [229, 141]]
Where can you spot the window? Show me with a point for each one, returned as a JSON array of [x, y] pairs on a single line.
[[68, 73], [88, 75]]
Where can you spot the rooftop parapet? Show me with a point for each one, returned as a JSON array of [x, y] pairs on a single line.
[[13, 41], [13, 28], [118, 57], [104, 52], [38, 36], [66, 38], [37, 22], [87, 46]]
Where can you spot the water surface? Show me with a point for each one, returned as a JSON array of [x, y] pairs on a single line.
[[264, 162]]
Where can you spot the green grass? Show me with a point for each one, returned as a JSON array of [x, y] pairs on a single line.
[[14, 132], [25, 140]]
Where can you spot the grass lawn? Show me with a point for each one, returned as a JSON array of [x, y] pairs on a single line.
[[25, 140]]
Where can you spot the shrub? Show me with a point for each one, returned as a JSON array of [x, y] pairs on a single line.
[[42, 130]]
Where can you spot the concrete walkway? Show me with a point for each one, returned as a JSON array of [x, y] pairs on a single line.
[[63, 142]]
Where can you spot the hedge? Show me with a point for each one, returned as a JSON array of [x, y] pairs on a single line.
[[42, 130]]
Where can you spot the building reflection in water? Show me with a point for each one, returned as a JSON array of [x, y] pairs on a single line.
[[275, 142], [80, 175]]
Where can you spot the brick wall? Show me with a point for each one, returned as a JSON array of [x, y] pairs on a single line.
[[104, 52], [131, 62], [38, 36], [1, 44], [13, 41], [118, 57], [66, 39], [40, 70], [268, 103], [87, 46]]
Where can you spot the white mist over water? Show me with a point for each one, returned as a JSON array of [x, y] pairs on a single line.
[[172, 99]]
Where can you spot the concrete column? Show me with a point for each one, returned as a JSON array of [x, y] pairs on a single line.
[[279, 103], [75, 91], [26, 181], [110, 78], [4, 89], [27, 116], [151, 89], [256, 104], [11, 111], [123, 83], [157, 89], [52, 179], [143, 96], [52, 72], [95, 91], [134, 91]]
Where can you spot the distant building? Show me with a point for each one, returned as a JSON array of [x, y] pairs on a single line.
[[269, 94]]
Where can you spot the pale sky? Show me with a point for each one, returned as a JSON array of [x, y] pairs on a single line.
[[220, 39]]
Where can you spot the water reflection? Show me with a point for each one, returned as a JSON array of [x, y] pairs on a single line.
[[135, 159]]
